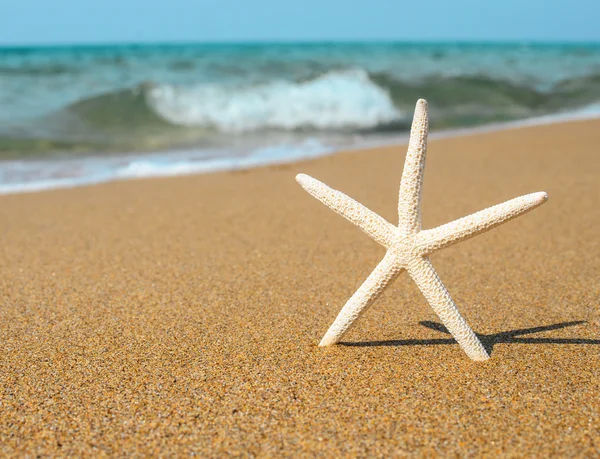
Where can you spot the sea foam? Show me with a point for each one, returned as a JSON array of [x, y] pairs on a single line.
[[335, 100], [31, 176]]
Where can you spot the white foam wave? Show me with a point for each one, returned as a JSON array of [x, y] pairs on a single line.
[[342, 99]]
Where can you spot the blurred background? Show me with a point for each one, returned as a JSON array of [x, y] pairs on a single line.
[[97, 91]]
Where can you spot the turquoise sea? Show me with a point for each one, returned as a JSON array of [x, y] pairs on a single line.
[[87, 114]]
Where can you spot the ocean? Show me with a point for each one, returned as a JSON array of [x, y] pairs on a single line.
[[77, 115]]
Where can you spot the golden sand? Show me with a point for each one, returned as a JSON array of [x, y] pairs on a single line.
[[182, 315]]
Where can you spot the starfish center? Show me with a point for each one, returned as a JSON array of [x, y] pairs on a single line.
[[404, 249]]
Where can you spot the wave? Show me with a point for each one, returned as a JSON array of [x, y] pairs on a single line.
[[158, 117], [335, 100], [351, 99]]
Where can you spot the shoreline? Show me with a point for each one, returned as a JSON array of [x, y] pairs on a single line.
[[138, 166]]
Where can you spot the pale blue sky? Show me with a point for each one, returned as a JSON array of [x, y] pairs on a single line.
[[75, 21]]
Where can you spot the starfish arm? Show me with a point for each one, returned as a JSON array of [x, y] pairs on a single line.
[[367, 220], [423, 274], [382, 276], [464, 228], [409, 202]]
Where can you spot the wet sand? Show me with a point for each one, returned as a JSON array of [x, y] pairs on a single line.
[[182, 315]]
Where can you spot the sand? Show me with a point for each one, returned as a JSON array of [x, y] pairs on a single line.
[[182, 315]]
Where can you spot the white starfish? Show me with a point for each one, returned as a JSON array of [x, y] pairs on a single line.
[[408, 246]]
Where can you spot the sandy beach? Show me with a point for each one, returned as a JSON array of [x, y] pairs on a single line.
[[182, 315]]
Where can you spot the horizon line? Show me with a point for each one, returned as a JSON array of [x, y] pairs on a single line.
[[458, 41]]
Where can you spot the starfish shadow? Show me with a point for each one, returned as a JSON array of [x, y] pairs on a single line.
[[488, 341]]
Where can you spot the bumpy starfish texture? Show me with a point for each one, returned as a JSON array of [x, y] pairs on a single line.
[[408, 246]]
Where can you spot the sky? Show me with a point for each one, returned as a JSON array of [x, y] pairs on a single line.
[[99, 21]]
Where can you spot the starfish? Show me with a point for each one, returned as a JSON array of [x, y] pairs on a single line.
[[408, 246]]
